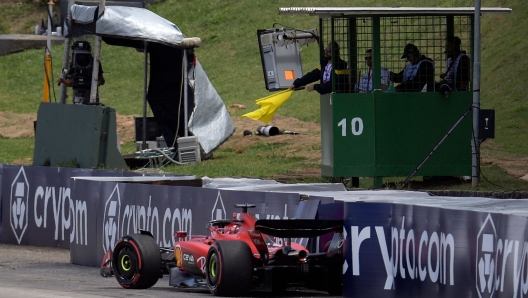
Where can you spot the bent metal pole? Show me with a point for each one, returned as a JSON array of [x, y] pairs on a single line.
[[437, 145]]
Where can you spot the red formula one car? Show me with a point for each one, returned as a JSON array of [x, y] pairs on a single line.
[[236, 258]]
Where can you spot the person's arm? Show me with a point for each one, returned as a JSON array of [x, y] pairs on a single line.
[[463, 74], [385, 79], [66, 82], [429, 71], [323, 88], [396, 77], [308, 78], [424, 75], [100, 79]]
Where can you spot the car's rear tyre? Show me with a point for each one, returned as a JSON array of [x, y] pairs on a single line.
[[136, 262], [229, 270], [335, 280]]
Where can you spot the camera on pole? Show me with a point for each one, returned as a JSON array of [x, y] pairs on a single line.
[[80, 72]]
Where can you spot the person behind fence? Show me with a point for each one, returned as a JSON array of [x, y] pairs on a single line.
[[417, 75], [365, 82], [326, 73], [457, 74]]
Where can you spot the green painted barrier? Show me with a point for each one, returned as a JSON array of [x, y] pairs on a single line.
[[77, 136], [390, 134]]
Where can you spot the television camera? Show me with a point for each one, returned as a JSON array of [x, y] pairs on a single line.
[[80, 72]]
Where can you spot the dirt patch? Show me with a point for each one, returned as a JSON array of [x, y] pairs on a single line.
[[514, 164], [306, 144], [17, 125], [22, 126], [15, 256]]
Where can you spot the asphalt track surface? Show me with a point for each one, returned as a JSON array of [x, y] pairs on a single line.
[[28, 271]]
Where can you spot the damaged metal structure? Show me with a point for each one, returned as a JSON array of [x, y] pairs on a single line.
[[183, 100]]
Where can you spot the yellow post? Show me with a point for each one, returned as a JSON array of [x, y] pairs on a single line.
[[47, 76], [47, 63]]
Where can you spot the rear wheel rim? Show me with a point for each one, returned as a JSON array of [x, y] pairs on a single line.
[[213, 269]]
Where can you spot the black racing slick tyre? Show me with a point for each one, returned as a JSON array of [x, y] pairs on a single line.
[[229, 270], [136, 262]]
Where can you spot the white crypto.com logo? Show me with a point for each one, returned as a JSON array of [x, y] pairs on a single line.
[[19, 203], [218, 211], [486, 262], [111, 220]]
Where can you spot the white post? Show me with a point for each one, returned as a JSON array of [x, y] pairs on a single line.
[[50, 13], [66, 55], [97, 56], [475, 144]]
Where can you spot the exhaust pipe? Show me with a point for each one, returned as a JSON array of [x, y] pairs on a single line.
[[301, 254]]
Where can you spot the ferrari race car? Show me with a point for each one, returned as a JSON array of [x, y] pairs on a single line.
[[239, 256]]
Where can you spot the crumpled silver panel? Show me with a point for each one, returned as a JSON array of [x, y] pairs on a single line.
[[83, 14], [210, 120], [138, 24]]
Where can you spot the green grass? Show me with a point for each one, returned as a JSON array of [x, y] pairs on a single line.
[[230, 56], [13, 150], [262, 160]]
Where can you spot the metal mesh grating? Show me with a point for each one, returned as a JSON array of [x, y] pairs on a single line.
[[388, 36]]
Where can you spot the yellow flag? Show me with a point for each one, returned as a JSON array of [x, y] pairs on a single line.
[[268, 106]]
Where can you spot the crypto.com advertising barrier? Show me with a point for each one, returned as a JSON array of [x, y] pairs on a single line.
[[123, 208], [397, 250], [44, 206], [38, 207]]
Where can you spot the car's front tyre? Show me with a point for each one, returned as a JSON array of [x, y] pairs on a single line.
[[136, 261]]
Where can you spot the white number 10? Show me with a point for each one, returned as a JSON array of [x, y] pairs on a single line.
[[356, 126]]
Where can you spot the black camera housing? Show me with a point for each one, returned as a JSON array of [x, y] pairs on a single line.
[[82, 65]]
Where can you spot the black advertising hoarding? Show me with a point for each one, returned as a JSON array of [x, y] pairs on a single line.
[[43, 206], [397, 250], [1, 172], [38, 207], [123, 208]]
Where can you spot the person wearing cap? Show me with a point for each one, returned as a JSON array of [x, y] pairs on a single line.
[[418, 73], [457, 74], [325, 73], [365, 82]]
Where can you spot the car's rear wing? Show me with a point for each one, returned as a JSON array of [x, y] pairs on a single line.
[[298, 228]]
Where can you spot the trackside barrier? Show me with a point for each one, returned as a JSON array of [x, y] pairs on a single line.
[[44, 206], [414, 248], [38, 206], [396, 243]]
